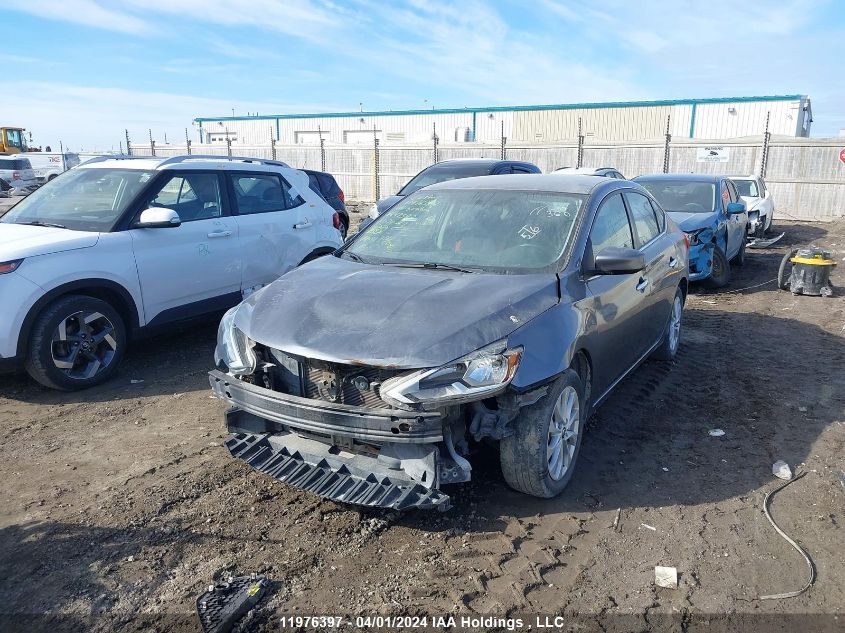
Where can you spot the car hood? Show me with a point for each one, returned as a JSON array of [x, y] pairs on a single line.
[[751, 201], [20, 240], [692, 221], [387, 203], [342, 311]]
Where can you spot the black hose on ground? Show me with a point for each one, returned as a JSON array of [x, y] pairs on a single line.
[[783, 278]]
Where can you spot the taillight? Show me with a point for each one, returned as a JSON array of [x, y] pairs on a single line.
[[686, 241], [336, 220], [341, 196], [16, 175]]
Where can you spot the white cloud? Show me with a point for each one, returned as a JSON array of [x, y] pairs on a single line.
[[88, 118], [84, 12]]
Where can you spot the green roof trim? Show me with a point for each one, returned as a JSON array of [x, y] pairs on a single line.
[[524, 108]]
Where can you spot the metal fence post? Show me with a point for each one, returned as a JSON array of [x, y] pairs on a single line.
[[376, 189], [504, 140], [228, 145], [322, 149], [579, 158], [187, 142], [435, 141], [152, 144], [666, 146], [128, 146], [272, 145], [764, 160]]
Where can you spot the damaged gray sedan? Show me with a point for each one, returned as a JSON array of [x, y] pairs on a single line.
[[496, 308]]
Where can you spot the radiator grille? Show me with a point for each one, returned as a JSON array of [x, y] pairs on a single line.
[[337, 383]]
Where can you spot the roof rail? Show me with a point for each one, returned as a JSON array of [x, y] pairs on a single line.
[[243, 159], [100, 159]]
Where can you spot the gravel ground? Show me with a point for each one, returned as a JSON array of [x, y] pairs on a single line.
[[120, 504]]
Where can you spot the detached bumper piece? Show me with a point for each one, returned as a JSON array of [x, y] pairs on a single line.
[[225, 603], [329, 473]]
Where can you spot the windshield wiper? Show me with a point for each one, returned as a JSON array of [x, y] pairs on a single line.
[[431, 265], [355, 257], [40, 223]]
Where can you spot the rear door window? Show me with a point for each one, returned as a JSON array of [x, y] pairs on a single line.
[[645, 222], [262, 193]]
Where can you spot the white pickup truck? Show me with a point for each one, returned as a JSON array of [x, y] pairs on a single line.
[[48, 165]]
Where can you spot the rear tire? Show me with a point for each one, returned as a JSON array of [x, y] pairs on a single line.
[[668, 347], [76, 342], [540, 457], [720, 271]]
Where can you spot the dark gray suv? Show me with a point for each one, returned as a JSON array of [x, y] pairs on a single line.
[[502, 307]]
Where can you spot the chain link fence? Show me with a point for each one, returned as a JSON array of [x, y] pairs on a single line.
[[806, 176]]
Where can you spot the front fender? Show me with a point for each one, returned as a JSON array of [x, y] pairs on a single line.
[[549, 343]]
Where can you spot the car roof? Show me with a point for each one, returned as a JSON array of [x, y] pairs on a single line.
[[195, 161], [682, 177], [738, 177], [481, 162], [560, 183], [584, 170]]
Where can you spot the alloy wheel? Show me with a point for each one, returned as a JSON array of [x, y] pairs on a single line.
[[675, 325], [563, 433], [83, 344]]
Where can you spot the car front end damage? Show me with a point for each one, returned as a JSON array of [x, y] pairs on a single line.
[[700, 253], [363, 434]]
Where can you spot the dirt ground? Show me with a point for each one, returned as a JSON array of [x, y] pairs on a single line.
[[120, 504]]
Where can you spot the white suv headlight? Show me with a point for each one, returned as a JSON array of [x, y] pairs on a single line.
[[481, 374], [234, 349]]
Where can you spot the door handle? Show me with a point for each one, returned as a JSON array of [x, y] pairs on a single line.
[[303, 225], [220, 234], [643, 284], [673, 263]]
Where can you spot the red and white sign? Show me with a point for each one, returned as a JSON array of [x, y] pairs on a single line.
[[842, 155]]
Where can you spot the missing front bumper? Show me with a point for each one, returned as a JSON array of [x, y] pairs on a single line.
[[327, 472]]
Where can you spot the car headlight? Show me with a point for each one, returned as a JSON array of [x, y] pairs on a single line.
[[699, 236], [373, 213], [478, 375], [10, 267], [234, 349]]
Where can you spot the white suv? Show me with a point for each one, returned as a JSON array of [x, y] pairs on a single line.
[[118, 247], [17, 172]]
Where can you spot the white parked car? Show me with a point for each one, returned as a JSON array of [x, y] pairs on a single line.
[[118, 247], [758, 200], [48, 165], [17, 172]]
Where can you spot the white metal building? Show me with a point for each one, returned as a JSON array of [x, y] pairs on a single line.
[[718, 118]]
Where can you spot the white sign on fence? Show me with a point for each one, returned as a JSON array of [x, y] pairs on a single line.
[[712, 154]]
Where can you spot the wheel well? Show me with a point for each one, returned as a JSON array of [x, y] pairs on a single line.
[[110, 292], [317, 252], [583, 366]]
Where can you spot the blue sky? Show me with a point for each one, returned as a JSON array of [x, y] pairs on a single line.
[[81, 71]]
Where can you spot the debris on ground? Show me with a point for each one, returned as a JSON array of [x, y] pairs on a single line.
[[666, 577], [224, 603], [649, 527], [716, 432], [781, 470], [616, 526], [798, 548]]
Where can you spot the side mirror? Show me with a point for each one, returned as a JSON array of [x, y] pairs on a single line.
[[735, 208], [158, 218], [619, 261]]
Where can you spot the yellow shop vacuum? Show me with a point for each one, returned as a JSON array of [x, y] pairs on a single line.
[[810, 273]]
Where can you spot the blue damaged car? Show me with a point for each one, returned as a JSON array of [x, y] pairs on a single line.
[[712, 214], [497, 308]]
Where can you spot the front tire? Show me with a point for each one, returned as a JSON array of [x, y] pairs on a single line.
[[539, 458], [76, 342], [720, 271]]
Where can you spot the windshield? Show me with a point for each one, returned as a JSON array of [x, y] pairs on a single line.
[[443, 173], [81, 199], [746, 188], [493, 230], [682, 195]]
